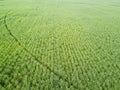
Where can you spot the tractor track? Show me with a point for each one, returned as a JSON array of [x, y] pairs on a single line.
[[36, 59], [2, 18]]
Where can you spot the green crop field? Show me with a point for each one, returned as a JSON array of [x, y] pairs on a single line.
[[59, 44]]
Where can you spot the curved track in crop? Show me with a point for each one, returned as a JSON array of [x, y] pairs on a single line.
[[36, 59]]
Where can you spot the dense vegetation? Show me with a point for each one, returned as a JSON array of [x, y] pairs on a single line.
[[59, 45]]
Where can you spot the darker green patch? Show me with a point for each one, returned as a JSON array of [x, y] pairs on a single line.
[[2, 83]]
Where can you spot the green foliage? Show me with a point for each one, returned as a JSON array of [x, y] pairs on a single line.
[[59, 45]]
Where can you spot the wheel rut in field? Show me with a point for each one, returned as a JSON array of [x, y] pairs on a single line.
[[36, 59]]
